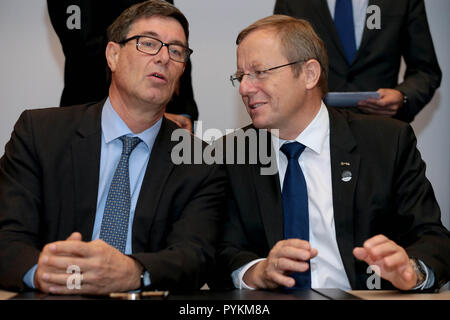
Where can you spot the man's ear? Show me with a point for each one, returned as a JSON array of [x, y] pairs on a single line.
[[112, 54], [312, 71]]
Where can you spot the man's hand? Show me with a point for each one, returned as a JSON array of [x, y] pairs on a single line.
[[286, 257], [181, 121], [392, 260], [103, 268], [390, 101]]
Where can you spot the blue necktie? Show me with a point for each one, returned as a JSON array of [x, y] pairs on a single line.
[[343, 19], [114, 227], [295, 205]]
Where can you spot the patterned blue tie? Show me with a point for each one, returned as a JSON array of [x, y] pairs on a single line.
[[343, 19], [295, 205], [114, 227]]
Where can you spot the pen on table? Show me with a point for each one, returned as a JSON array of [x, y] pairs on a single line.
[[137, 295], [125, 296], [155, 294]]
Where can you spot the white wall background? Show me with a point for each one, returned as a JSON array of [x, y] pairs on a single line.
[[31, 71]]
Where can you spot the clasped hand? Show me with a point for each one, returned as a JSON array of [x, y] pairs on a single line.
[[103, 268]]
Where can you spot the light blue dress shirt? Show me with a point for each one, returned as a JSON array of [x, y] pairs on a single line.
[[114, 127]]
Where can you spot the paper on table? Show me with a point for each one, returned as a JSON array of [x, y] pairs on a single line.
[[348, 99]]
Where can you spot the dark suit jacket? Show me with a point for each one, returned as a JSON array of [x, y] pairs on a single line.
[[404, 33], [48, 189], [85, 67], [388, 194]]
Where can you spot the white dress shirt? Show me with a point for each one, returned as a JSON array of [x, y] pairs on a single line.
[[327, 269], [359, 17]]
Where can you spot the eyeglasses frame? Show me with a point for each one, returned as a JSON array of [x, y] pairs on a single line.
[[234, 78], [189, 51]]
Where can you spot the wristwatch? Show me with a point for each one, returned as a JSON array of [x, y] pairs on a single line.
[[420, 272]]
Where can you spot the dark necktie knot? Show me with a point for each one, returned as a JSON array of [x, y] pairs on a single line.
[[292, 150], [129, 143]]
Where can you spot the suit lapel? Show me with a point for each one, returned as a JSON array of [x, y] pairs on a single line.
[[344, 173], [345, 163], [268, 191], [269, 198], [324, 16], [327, 20], [86, 150], [158, 170], [367, 34]]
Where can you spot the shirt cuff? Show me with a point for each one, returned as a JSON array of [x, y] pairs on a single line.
[[429, 277], [28, 278], [146, 281], [238, 275]]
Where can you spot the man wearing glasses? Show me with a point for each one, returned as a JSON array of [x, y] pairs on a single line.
[[81, 28], [350, 190], [92, 189]]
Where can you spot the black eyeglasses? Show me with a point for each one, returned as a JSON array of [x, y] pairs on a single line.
[[258, 75], [152, 46]]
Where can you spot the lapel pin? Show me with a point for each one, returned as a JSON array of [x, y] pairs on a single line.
[[346, 176], [343, 164]]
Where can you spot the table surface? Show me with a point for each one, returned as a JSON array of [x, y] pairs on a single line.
[[395, 295], [314, 294]]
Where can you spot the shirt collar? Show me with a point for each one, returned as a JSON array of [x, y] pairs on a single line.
[[114, 127], [315, 134]]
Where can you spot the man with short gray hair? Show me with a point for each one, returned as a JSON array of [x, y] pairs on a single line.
[[350, 190]]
